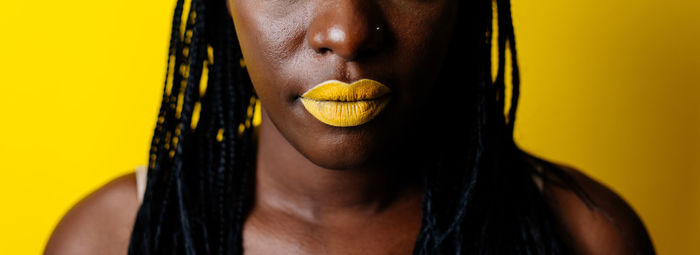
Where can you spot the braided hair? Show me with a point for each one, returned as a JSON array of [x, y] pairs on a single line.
[[478, 198]]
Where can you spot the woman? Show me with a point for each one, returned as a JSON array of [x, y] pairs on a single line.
[[382, 133]]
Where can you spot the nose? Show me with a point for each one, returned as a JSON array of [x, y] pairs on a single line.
[[349, 29]]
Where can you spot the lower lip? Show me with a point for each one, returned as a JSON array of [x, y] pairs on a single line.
[[345, 114]]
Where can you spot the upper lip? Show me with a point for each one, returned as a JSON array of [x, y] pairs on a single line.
[[334, 90]]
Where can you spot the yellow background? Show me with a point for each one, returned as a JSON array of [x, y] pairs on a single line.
[[610, 87]]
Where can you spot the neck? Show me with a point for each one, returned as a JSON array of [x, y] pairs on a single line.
[[289, 182]]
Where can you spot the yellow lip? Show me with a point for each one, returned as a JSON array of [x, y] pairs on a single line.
[[339, 104]]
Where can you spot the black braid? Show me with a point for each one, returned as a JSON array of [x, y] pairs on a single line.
[[478, 198], [193, 171]]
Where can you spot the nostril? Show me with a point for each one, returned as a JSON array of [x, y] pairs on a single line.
[[320, 43], [323, 51], [366, 53]]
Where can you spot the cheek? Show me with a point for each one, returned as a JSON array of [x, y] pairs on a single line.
[[268, 42], [422, 47], [424, 37]]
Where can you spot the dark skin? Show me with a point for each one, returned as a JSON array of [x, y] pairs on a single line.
[[330, 190], [297, 39], [345, 197]]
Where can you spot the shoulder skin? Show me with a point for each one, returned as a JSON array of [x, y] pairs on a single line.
[[606, 226], [101, 223]]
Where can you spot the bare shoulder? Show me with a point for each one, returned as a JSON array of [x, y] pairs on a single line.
[[605, 224], [101, 223]]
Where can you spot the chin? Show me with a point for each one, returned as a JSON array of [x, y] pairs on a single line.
[[370, 145], [345, 151], [340, 162]]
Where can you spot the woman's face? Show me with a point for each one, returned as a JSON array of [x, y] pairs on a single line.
[[290, 46]]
